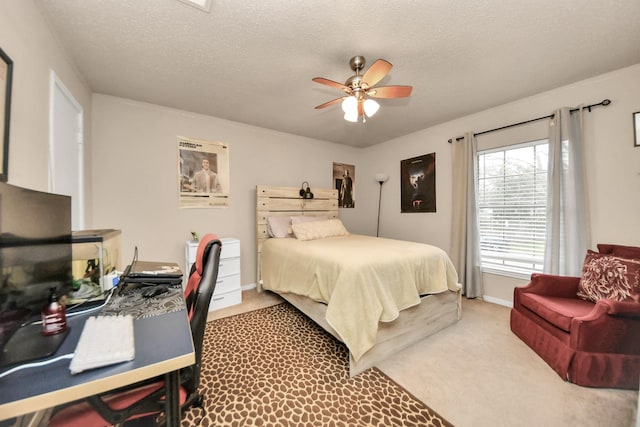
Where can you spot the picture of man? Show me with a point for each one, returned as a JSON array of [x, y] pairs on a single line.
[[346, 190], [206, 180], [344, 182]]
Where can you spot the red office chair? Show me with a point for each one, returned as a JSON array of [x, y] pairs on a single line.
[[147, 398]]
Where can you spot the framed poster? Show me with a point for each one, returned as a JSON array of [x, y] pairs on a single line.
[[344, 181], [6, 73], [203, 173], [418, 184]]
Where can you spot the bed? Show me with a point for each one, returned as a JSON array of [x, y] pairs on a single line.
[[376, 295]]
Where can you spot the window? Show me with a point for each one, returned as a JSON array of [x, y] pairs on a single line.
[[512, 204]]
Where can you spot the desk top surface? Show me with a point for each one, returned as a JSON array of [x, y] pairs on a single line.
[[163, 344]]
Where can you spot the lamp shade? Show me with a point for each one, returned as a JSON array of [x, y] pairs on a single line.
[[382, 177], [370, 107], [350, 105]]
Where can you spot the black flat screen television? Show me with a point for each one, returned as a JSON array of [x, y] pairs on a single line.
[[35, 256]]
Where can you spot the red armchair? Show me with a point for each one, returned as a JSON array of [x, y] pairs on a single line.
[[588, 343]]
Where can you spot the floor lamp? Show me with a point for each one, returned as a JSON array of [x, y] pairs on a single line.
[[381, 178]]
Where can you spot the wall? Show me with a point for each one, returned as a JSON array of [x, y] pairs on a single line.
[[612, 163], [133, 146], [135, 176], [25, 37]]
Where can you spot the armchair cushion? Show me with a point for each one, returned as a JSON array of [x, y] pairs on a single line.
[[607, 276], [557, 311]]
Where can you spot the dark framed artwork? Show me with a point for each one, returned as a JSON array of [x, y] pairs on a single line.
[[636, 129], [418, 184], [6, 73], [344, 180]]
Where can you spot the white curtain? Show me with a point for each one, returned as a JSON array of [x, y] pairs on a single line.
[[567, 228], [465, 234]]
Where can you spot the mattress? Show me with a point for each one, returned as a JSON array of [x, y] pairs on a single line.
[[363, 280]]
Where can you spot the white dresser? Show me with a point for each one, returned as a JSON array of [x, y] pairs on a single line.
[[228, 290]]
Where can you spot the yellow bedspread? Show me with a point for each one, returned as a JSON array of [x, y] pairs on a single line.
[[363, 280]]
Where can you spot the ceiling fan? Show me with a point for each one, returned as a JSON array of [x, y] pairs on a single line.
[[359, 88]]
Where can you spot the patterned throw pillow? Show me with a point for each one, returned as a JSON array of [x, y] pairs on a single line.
[[319, 229], [606, 276]]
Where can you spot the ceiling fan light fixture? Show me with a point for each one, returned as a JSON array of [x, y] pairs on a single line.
[[351, 116], [350, 105], [370, 107]]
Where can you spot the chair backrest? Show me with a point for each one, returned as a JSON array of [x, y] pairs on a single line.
[[200, 288]]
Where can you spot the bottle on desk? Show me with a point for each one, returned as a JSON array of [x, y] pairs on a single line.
[[54, 315]]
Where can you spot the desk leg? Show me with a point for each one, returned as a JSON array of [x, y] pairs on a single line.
[[172, 402]]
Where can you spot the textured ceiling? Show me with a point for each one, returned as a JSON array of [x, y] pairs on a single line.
[[252, 61]]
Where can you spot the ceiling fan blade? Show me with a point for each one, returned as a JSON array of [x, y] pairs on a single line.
[[360, 107], [327, 104], [376, 72], [331, 83], [390, 92]]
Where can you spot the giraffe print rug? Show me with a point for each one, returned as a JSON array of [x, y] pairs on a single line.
[[276, 367]]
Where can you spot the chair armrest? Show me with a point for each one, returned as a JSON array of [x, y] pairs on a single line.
[[611, 327], [549, 285], [621, 308]]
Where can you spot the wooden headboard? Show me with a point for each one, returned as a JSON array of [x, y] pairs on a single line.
[[286, 201]]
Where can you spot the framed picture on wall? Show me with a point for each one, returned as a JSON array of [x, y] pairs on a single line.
[[344, 178], [203, 173], [6, 72], [418, 184]]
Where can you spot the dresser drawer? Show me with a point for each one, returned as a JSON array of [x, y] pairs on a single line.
[[227, 283], [225, 299], [230, 248], [228, 266]]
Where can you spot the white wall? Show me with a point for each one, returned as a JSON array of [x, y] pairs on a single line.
[[135, 171], [613, 165], [25, 37], [133, 146]]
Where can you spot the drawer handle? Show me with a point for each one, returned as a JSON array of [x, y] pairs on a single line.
[[218, 299]]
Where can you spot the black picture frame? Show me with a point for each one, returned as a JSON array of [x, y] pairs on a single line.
[[418, 184], [636, 129], [6, 76]]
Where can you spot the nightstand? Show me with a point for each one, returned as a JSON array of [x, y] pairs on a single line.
[[228, 289]]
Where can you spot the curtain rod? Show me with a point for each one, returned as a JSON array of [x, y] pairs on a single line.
[[604, 102]]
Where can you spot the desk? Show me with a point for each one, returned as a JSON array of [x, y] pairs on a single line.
[[35, 389]]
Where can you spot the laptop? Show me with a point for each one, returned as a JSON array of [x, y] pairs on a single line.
[[154, 272]]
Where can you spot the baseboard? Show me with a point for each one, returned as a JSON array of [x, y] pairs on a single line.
[[497, 301], [248, 287]]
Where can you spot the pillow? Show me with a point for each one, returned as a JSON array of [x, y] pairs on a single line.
[[279, 226], [607, 276], [632, 252], [308, 218], [319, 229]]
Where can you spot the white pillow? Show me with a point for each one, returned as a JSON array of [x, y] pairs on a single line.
[[279, 226], [319, 229]]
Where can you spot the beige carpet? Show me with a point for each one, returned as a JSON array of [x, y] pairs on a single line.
[[276, 367], [478, 374]]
